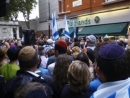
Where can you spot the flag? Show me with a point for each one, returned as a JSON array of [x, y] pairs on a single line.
[[116, 89], [55, 34], [106, 36], [66, 31], [74, 31]]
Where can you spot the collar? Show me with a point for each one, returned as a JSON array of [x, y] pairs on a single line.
[[34, 74]]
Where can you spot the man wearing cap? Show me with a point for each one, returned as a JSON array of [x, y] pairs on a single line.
[[60, 48], [91, 41], [112, 69], [28, 61]]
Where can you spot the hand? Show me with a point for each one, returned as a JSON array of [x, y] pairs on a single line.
[[84, 50]]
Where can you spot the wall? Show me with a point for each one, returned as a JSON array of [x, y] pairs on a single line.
[[44, 9], [90, 6], [6, 29]]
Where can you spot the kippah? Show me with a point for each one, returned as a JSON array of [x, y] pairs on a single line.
[[62, 43], [26, 53], [111, 51], [36, 94]]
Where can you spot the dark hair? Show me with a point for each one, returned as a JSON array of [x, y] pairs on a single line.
[[51, 52], [90, 54], [77, 44], [61, 49], [13, 53], [40, 50], [83, 57], [76, 39], [2, 57], [114, 70], [67, 41], [61, 68], [27, 88], [25, 65]]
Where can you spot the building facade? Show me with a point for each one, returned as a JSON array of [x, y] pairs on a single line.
[[99, 17], [46, 8], [96, 16], [9, 29]]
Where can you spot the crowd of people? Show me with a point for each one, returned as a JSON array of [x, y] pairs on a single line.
[[86, 67]]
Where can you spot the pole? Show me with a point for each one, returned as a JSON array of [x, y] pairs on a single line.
[[49, 18], [62, 6], [49, 10], [49, 29]]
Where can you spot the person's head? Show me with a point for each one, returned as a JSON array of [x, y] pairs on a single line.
[[75, 51], [60, 47], [3, 51], [84, 58], [77, 44], [50, 41], [28, 58], [41, 51], [76, 40], [61, 68], [31, 90], [112, 64], [91, 40], [51, 52], [13, 53], [78, 76]]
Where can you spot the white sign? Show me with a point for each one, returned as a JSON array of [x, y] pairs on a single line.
[[109, 0], [114, 17], [77, 3]]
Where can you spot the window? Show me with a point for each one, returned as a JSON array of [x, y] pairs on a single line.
[[4, 32], [106, 2], [77, 3]]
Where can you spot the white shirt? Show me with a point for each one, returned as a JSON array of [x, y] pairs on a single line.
[[44, 61], [51, 68]]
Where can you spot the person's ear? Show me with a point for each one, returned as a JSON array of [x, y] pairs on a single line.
[[100, 75], [98, 72]]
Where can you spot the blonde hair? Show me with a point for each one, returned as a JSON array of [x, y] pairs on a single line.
[[75, 51], [78, 76]]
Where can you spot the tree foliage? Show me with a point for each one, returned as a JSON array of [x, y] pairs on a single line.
[[17, 6]]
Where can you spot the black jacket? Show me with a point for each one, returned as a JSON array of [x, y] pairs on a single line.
[[22, 77], [2, 83]]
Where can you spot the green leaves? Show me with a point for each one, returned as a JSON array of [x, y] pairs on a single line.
[[16, 6]]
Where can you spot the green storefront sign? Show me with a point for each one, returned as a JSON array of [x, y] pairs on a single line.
[[79, 22], [83, 22]]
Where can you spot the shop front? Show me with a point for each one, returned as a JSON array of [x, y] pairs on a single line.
[[110, 23]]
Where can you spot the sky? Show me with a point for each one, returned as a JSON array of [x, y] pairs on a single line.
[[33, 15]]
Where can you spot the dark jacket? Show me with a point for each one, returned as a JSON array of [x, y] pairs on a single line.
[[67, 93], [2, 83], [22, 77], [47, 78], [57, 89]]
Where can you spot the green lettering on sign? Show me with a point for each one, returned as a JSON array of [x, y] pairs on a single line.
[[79, 22]]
